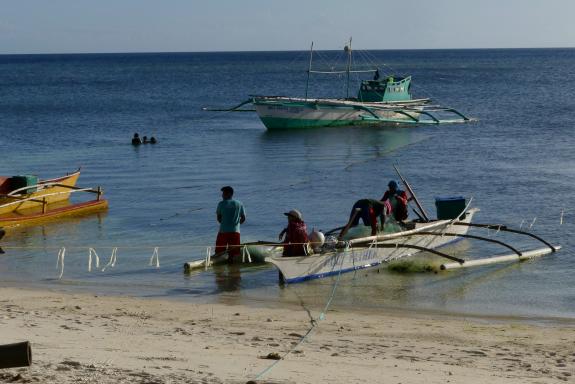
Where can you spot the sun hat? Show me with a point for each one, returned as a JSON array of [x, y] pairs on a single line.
[[295, 214]]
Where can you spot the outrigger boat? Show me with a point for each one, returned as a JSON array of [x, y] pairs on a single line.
[[419, 236], [27, 200], [379, 101]]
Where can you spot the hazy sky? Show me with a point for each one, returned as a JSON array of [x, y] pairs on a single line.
[[65, 26]]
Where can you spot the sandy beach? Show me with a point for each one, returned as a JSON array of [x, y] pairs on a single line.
[[80, 338]]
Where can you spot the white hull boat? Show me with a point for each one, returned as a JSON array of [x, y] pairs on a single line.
[[371, 251]]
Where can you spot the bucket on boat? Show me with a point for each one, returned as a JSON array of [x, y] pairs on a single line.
[[449, 207]]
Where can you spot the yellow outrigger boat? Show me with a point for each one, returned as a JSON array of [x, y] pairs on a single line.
[[26, 200]]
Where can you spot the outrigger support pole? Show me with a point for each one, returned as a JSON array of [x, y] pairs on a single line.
[[504, 228], [232, 109], [477, 238], [419, 248]]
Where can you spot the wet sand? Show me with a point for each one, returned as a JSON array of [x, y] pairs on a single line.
[[80, 338]]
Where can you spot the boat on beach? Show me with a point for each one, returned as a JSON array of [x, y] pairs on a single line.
[[379, 101], [25, 200]]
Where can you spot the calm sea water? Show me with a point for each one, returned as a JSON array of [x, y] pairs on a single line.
[[59, 112]]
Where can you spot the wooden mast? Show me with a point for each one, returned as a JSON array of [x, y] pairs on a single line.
[[348, 47], [309, 69]]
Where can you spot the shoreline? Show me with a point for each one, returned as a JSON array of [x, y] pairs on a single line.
[[258, 302], [108, 339]]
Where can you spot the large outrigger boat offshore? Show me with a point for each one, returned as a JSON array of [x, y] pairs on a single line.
[[334, 255], [380, 101]]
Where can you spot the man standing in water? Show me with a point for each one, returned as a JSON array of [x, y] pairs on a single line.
[[230, 214]]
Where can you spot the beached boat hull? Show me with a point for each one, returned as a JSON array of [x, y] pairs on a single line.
[[45, 187], [290, 113], [297, 269]]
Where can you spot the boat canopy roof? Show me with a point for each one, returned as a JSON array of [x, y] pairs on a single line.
[[390, 88]]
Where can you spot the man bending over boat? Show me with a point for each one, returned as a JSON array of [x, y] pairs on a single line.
[[397, 199], [230, 214], [295, 240], [368, 210]]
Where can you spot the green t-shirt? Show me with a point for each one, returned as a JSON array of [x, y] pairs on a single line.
[[231, 211]]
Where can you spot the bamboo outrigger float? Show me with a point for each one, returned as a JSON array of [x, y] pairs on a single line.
[[45, 200], [379, 101]]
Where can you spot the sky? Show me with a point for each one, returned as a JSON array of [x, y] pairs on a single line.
[[82, 26]]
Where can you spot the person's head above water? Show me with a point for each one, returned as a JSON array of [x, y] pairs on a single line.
[[136, 135], [392, 186], [227, 192]]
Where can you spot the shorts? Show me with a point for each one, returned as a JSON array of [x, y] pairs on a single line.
[[229, 241]]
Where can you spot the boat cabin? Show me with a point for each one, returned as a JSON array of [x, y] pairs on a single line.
[[387, 89]]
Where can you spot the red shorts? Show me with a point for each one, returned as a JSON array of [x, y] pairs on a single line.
[[229, 241]]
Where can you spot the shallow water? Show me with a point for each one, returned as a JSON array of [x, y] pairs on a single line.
[[58, 112]]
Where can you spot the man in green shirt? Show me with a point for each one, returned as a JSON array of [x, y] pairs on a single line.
[[230, 214]]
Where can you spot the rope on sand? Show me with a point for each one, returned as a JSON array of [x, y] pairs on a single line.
[[314, 322]]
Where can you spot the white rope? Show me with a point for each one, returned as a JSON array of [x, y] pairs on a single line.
[[112, 261], [521, 225], [93, 251], [561, 217], [208, 258], [533, 222], [60, 261], [155, 255], [246, 252]]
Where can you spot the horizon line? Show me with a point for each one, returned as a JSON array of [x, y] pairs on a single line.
[[276, 51]]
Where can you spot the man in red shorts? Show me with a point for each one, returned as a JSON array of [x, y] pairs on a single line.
[[230, 214]]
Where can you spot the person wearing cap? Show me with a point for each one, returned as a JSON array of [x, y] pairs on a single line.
[[230, 214], [295, 239], [398, 200]]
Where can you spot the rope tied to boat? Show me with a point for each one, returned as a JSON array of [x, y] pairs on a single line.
[[60, 261], [156, 256], [246, 252], [92, 251], [208, 258], [112, 261], [314, 322]]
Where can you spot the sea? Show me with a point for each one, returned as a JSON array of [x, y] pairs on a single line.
[[516, 163]]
